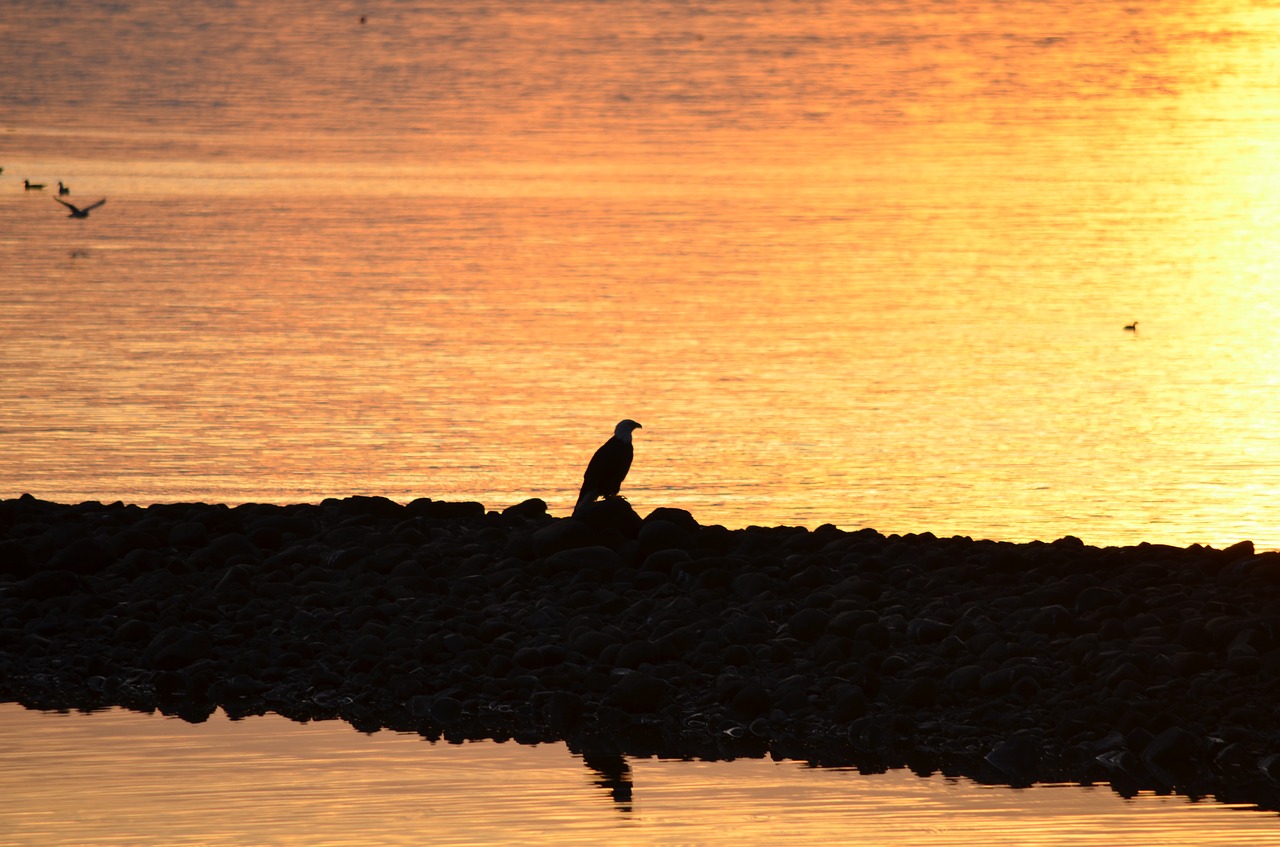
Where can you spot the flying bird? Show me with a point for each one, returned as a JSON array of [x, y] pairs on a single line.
[[32, 186], [608, 467], [62, 189], [76, 211]]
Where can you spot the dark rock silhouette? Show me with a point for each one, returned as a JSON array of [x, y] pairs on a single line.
[[1149, 667]]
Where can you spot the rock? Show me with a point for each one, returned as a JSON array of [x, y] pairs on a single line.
[[188, 534], [664, 561], [44, 585], [850, 702], [1024, 688], [375, 506], [561, 535], [996, 683], [751, 701], [680, 517], [236, 585], [1243, 661], [920, 692], [1052, 620], [746, 629], [528, 657], [366, 650], [874, 635], [592, 643], [657, 637], [562, 711], [874, 735], [635, 653], [600, 560], [445, 710], [177, 647], [1175, 750], [15, 562], [132, 539], [1096, 597], [241, 687], [808, 624], [1239, 550], [1018, 758], [229, 549], [425, 507], [613, 514], [132, 632], [963, 679], [1187, 663], [658, 535], [639, 692], [849, 621], [84, 556], [532, 509], [927, 631]]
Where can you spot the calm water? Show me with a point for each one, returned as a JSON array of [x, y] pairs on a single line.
[[130, 779], [865, 263], [861, 262]]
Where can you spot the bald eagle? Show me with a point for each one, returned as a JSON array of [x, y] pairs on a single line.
[[608, 467]]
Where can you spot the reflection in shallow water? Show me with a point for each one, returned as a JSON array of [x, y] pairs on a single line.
[[124, 778], [615, 776]]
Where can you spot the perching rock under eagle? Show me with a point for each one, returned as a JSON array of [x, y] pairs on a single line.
[[608, 467]]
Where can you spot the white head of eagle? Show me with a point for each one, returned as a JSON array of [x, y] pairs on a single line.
[[608, 467]]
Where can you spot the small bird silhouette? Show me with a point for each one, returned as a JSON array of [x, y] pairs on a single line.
[[62, 189], [1133, 327], [77, 212], [32, 186]]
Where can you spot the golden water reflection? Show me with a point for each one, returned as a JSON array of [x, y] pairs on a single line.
[[121, 778], [865, 264]]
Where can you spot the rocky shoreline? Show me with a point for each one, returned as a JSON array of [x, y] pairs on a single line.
[[1146, 667]]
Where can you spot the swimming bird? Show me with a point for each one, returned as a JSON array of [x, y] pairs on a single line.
[[1133, 327], [62, 189], [608, 466], [76, 211], [32, 186]]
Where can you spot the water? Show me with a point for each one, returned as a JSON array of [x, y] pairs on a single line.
[[125, 778], [865, 263], [862, 263]]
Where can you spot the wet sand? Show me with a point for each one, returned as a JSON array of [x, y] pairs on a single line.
[[1145, 667]]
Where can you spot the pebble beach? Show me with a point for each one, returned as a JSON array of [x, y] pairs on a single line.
[[1146, 667]]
